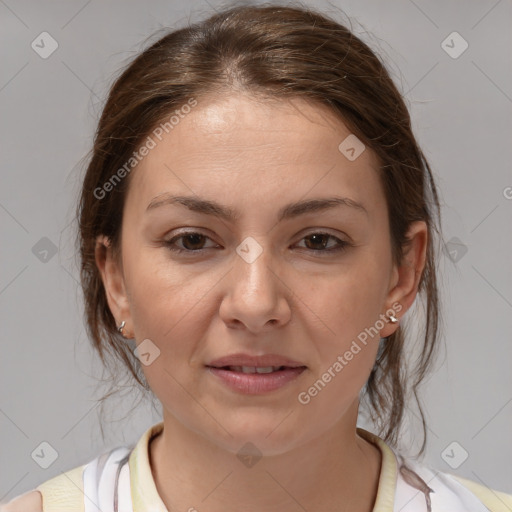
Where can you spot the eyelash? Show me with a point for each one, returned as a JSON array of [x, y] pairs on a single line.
[[170, 244]]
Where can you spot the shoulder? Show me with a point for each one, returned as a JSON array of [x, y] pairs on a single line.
[[412, 486], [446, 491], [64, 490], [31, 501], [495, 501]]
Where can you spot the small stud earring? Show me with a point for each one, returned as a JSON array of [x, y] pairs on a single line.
[[393, 319], [121, 327]]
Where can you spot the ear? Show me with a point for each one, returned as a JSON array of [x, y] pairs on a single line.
[[111, 271], [406, 276]]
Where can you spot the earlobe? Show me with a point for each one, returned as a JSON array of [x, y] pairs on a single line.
[[409, 273], [113, 279]]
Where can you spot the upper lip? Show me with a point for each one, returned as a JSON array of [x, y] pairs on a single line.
[[255, 361]]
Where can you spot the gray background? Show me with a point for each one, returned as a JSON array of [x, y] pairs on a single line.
[[461, 109]]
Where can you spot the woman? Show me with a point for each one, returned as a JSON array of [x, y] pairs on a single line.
[[258, 217]]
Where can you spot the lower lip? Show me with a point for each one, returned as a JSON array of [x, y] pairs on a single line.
[[256, 383]]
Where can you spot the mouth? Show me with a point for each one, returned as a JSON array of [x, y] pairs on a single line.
[[257, 369], [255, 380]]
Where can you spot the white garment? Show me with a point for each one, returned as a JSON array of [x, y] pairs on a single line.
[[107, 485], [121, 480]]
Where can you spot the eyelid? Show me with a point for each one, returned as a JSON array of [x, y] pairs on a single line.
[[342, 244], [325, 231], [182, 234], [310, 231]]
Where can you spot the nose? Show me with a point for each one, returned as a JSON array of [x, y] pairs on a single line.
[[256, 297]]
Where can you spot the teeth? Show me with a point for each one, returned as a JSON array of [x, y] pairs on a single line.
[[268, 369], [253, 369]]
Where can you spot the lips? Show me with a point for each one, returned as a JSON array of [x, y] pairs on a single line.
[[246, 363], [254, 369], [255, 374], [256, 383]]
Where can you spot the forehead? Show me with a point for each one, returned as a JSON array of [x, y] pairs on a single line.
[[239, 145]]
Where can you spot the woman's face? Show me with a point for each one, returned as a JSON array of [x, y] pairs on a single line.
[[301, 283]]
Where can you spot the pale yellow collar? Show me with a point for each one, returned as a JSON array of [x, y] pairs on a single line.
[[145, 497], [385, 500]]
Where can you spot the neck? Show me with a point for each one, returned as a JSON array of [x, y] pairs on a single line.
[[337, 471]]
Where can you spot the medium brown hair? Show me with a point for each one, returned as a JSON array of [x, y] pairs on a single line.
[[277, 52]]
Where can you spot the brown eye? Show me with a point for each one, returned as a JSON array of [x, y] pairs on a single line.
[[193, 241], [318, 242], [190, 242]]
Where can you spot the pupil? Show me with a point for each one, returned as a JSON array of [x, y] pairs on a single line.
[[195, 238], [317, 239]]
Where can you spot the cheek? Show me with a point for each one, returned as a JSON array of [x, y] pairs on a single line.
[[162, 303], [349, 308], [351, 302], [346, 350], [161, 291]]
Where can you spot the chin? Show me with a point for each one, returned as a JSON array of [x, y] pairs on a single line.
[[253, 433]]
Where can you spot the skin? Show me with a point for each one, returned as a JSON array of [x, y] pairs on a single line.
[[256, 156]]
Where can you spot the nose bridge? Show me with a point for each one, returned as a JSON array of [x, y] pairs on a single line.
[[255, 296], [252, 267]]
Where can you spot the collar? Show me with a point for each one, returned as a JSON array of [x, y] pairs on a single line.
[[145, 497]]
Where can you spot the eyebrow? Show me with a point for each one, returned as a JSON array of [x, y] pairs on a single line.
[[205, 206]]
